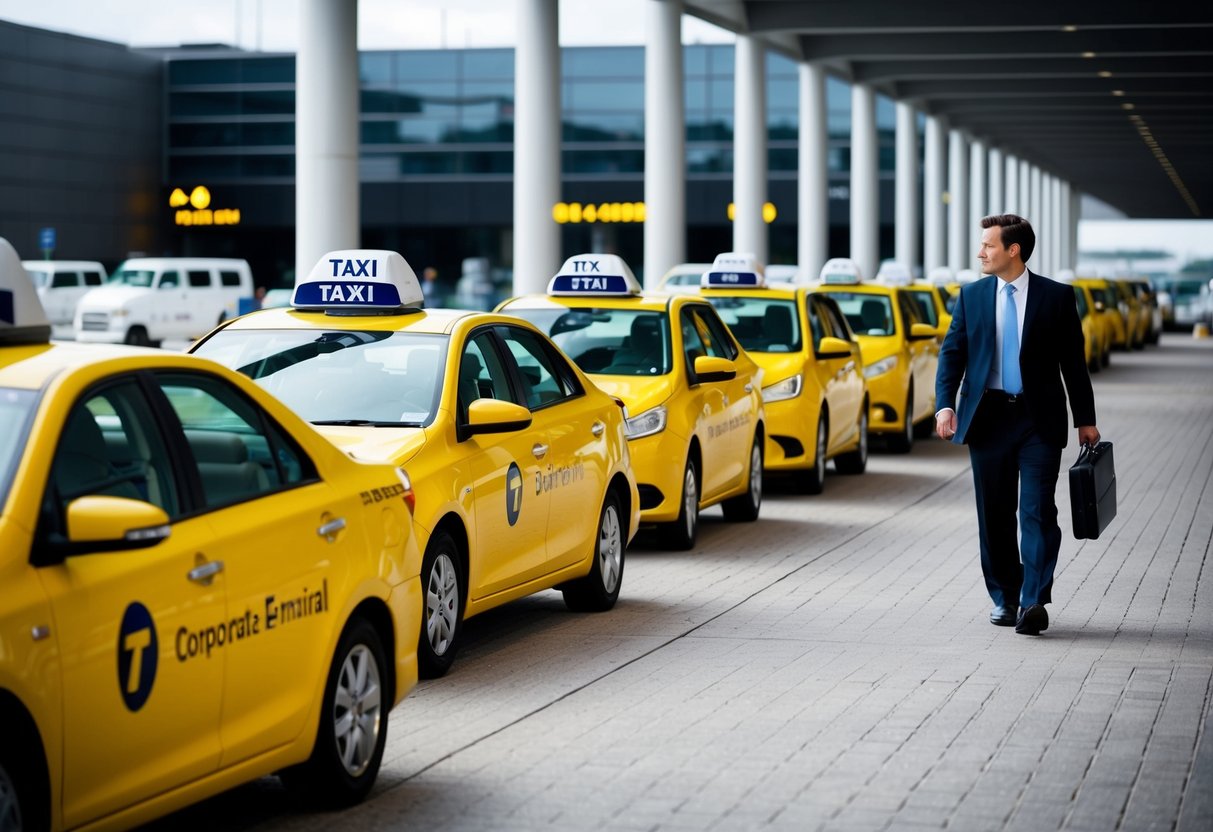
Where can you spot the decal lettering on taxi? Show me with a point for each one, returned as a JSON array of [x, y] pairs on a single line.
[[733, 423], [137, 655], [277, 613], [513, 493], [559, 477], [378, 495]]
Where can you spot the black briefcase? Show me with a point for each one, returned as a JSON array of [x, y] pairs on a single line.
[[1093, 490]]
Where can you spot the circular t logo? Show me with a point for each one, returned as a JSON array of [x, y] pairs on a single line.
[[137, 653], [513, 493]]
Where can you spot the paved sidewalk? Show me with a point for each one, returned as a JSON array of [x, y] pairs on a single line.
[[831, 667]]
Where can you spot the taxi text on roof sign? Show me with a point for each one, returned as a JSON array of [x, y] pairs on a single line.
[[594, 274], [733, 269], [22, 318], [359, 280], [840, 270]]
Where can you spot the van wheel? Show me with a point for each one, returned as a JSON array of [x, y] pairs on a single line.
[[136, 336]]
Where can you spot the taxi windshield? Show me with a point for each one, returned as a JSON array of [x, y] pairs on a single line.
[[132, 277], [760, 324], [15, 409], [613, 342], [868, 314], [371, 378]]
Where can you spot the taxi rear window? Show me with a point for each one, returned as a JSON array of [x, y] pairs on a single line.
[[761, 324], [16, 406], [868, 314], [375, 378], [620, 342]]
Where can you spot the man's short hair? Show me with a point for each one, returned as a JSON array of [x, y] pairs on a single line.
[[1013, 229]]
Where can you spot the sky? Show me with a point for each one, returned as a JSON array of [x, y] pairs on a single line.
[[272, 25]]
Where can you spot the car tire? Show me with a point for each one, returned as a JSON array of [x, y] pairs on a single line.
[[813, 480], [599, 590], [856, 461], [24, 787], [353, 723], [442, 618], [903, 442], [136, 336], [745, 508], [681, 534]]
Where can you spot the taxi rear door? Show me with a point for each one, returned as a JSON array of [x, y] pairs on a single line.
[[842, 379], [139, 718], [729, 424]]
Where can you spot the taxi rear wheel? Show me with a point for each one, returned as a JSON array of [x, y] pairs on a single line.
[[599, 590], [682, 532], [353, 723], [814, 479], [904, 441], [745, 508], [856, 461], [443, 619]]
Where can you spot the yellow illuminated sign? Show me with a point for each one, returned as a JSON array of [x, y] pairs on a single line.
[[195, 209], [768, 212], [575, 212]]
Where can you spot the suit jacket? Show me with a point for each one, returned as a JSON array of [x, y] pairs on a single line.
[[1050, 350]]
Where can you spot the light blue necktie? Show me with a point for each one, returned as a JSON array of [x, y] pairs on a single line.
[[1011, 380]]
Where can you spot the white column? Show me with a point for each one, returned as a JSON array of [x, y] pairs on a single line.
[[750, 147], [1075, 216], [995, 195], [1044, 226], [812, 189], [326, 131], [536, 145], [665, 216], [1067, 222], [958, 203], [1024, 203], [1057, 228], [1011, 185], [1036, 209], [977, 200], [905, 212], [865, 194], [933, 185]]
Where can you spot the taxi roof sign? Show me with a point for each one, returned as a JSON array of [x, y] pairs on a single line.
[[734, 270], [894, 273], [967, 276], [941, 275], [584, 275], [22, 318], [1065, 276], [841, 270], [359, 282]]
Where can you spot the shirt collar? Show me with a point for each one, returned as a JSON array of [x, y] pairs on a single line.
[[1021, 283]]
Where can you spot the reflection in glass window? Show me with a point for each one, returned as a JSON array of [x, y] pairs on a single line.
[[603, 62], [603, 161], [605, 95], [426, 64], [761, 324], [16, 411], [488, 63], [279, 70], [268, 102], [623, 342], [375, 68], [867, 314]]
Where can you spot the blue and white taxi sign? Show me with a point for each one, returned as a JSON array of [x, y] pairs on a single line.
[[594, 274], [359, 281], [840, 270], [894, 273], [22, 318], [734, 270]]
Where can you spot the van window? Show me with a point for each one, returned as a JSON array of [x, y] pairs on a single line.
[[93, 278], [62, 280], [199, 280], [229, 278], [169, 280]]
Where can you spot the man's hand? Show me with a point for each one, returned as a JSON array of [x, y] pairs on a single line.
[[945, 423], [1088, 435]]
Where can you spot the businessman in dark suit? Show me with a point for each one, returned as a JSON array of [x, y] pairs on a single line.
[[1015, 336]]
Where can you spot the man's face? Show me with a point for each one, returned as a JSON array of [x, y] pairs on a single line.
[[994, 258]]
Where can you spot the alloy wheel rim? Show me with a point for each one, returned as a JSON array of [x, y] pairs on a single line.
[[690, 501], [442, 604], [609, 549], [756, 477], [357, 710], [820, 465], [863, 438], [10, 808]]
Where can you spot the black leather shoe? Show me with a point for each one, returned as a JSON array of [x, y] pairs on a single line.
[[1032, 621], [1004, 616]]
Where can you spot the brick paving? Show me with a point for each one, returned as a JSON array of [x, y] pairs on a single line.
[[831, 667]]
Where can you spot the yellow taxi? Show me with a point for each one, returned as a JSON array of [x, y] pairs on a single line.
[[931, 298], [1094, 334], [900, 351], [695, 417], [1136, 314], [1108, 320], [199, 590], [814, 394], [519, 463]]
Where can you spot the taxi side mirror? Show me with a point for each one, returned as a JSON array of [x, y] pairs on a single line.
[[97, 523], [710, 368], [921, 332], [494, 416], [833, 348], [1099, 306]]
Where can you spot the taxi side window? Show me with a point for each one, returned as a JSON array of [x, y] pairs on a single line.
[[544, 380], [818, 324], [714, 333], [692, 339], [110, 446], [925, 304], [832, 313], [910, 313], [481, 373], [240, 453]]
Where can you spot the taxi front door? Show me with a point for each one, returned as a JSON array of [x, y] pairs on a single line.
[[924, 356], [842, 376], [726, 425], [142, 684], [509, 505]]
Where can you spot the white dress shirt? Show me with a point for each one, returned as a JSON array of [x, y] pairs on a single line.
[[1000, 301]]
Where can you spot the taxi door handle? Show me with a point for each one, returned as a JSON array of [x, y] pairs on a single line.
[[329, 530], [749, 388], [202, 573], [539, 450], [597, 428]]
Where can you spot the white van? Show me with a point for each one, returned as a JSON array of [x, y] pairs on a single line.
[[61, 284], [149, 299]]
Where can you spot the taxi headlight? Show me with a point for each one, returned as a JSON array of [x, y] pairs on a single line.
[[789, 388], [647, 423], [880, 367]]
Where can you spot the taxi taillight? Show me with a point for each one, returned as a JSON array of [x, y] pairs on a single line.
[[410, 498]]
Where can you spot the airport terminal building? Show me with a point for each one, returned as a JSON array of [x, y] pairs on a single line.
[[191, 151]]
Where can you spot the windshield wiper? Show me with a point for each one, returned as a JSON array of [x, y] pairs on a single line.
[[366, 423]]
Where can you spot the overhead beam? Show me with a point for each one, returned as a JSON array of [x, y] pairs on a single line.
[[1011, 72], [1188, 40]]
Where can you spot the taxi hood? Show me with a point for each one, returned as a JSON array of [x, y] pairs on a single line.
[[639, 393], [394, 445]]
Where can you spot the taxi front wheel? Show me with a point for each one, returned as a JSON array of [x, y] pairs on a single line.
[[681, 534], [745, 508], [599, 590], [353, 723], [443, 619]]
